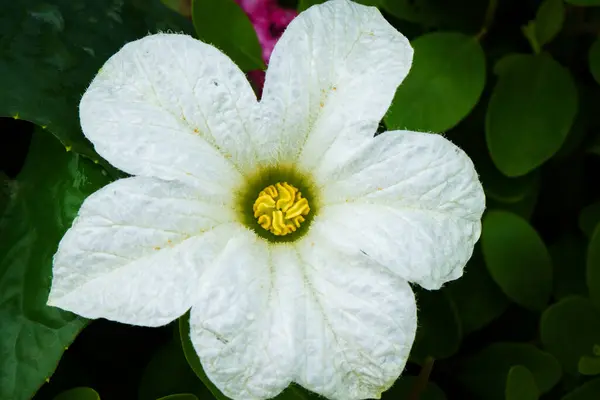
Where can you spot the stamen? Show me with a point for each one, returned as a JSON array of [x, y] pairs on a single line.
[[280, 208]]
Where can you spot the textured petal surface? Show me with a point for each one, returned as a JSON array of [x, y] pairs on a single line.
[[331, 78], [355, 325], [136, 250], [172, 107], [241, 325], [410, 201]]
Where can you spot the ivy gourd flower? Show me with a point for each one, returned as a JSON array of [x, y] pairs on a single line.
[[289, 229]]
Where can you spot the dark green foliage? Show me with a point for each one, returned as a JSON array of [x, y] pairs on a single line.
[[444, 84], [44, 200], [51, 50], [530, 113], [517, 259]]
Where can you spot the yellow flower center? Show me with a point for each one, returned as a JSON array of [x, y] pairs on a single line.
[[280, 208]]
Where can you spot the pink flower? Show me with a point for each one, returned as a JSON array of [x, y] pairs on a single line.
[[269, 21]]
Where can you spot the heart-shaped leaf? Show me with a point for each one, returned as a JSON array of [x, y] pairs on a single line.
[[530, 113]]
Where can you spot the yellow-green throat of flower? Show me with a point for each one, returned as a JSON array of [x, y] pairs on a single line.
[[280, 208], [278, 203]]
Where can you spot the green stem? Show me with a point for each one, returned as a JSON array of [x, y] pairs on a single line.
[[488, 19], [422, 379], [529, 32]]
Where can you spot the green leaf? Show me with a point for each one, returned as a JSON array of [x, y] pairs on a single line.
[[183, 396], [52, 49], [517, 259], [594, 60], [589, 365], [293, 392], [486, 373], [520, 384], [568, 259], [589, 218], [530, 113], [569, 329], [588, 391], [444, 84], [224, 24], [404, 386], [80, 393], [549, 20], [169, 372], [593, 267], [477, 298], [48, 193], [437, 314]]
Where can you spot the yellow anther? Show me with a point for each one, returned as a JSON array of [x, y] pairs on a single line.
[[286, 196], [297, 209], [271, 191], [264, 204], [278, 227], [280, 208], [264, 221], [298, 220]]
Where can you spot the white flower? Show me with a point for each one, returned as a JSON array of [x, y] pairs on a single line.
[[283, 287]]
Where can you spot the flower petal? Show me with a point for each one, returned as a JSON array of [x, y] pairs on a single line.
[[241, 324], [135, 251], [331, 78], [172, 107], [356, 322], [411, 201]]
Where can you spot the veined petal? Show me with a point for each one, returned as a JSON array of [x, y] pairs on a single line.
[[241, 324], [136, 250], [355, 322], [331, 78], [172, 107], [411, 201]]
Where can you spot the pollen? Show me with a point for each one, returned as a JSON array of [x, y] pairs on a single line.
[[280, 209]]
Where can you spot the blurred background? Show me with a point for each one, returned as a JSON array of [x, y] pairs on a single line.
[[515, 83]]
